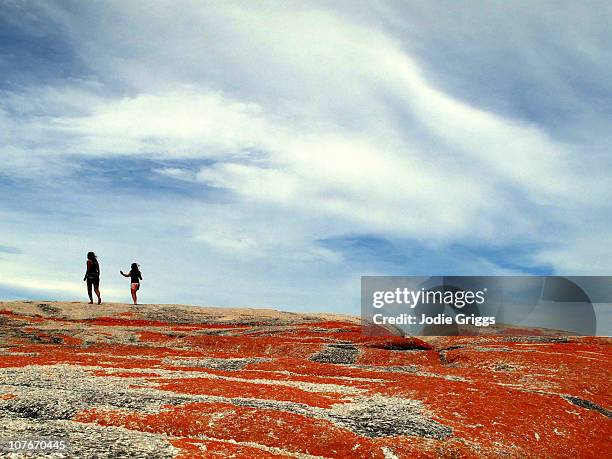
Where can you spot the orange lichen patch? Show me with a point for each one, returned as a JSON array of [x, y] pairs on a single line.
[[332, 324], [194, 448], [10, 361], [560, 431], [46, 354], [347, 336], [245, 389], [38, 318], [25, 318], [126, 314], [32, 348], [212, 326], [125, 350], [484, 412], [292, 334], [247, 346], [288, 431], [154, 337], [299, 340], [71, 340], [568, 368], [7, 396]]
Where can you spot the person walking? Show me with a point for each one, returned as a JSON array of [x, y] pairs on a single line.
[[135, 278], [92, 277]]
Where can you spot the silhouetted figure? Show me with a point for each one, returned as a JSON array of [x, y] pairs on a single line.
[[92, 276], [135, 278]]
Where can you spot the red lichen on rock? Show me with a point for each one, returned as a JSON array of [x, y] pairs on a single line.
[[246, 389], [290, 386], [71, 340], [287, 431], [154, 337], [192, 448]]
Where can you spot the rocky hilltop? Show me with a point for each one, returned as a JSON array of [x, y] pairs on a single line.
[[178, 381]]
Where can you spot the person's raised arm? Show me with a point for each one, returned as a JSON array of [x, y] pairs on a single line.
[[124, 274]]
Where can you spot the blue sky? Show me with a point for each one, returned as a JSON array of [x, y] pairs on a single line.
[[268, 154]]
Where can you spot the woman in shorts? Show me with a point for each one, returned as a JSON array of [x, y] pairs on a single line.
[[135, 278]]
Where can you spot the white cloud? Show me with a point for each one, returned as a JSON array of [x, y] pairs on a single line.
[[179, 123]]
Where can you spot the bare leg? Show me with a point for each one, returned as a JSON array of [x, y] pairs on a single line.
[[134, 289], [96, 286], [89, 284]]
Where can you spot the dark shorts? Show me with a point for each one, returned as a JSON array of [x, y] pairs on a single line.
[[93, 281]]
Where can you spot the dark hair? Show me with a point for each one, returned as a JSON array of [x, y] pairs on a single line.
[[91, 256], [136, 268]]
